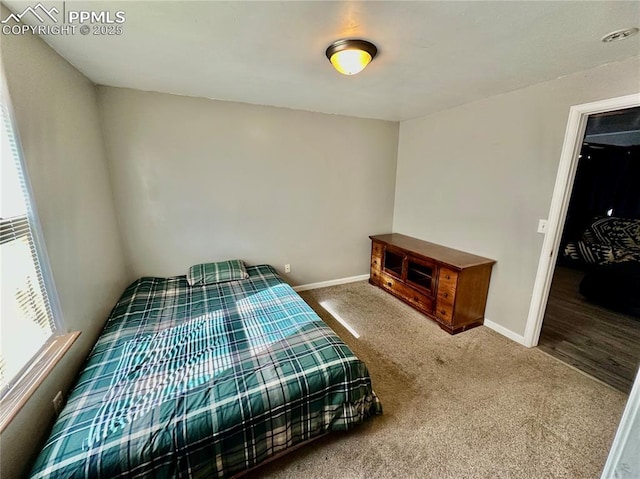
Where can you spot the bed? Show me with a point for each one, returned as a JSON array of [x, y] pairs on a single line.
[[205, 381], [606, 240]]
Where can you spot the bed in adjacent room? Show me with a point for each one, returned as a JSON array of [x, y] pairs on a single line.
[[205, 380]]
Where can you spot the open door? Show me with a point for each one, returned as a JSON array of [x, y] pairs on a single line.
[[572, 145], [624, 457]]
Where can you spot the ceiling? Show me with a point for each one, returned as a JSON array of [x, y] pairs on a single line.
[[620, 128], [433, 55]]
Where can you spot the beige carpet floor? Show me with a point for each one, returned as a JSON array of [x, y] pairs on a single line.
[[474, 405]]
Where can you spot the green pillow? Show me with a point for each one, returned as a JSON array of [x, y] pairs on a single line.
[[211, 273]]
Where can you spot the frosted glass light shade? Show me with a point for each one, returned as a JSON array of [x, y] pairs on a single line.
[[350, 62]]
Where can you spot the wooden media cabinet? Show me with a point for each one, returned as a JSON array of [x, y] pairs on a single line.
[[448, 285]]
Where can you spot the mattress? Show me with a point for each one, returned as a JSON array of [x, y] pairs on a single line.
[[205, 381]]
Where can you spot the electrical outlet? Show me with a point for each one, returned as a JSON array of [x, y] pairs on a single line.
[[287, 268], [57, 402]]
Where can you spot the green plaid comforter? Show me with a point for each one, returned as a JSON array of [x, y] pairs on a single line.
[[205, 381]]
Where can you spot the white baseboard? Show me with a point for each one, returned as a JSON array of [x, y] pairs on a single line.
[[351, 279], [332, 282], [504, 331]]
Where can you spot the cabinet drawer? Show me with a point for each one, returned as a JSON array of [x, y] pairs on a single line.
[[388, 281], [376, 263], [446, 294], [414, 298], [447, 280], [444, 312], [447, 283], [375, 276]]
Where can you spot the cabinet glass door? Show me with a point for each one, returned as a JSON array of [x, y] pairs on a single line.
[[393, 263], [419, 274]]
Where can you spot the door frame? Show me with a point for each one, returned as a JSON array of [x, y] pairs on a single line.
[[573, 138]]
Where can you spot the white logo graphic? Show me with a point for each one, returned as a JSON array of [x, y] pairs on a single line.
[[33, 11], [84, 22]]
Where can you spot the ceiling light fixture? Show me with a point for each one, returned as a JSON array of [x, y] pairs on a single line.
[[351, 56], [619, 35]]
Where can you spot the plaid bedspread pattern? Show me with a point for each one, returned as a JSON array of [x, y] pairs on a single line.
[[205, 381]]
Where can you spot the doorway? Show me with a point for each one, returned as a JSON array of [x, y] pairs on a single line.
[[576, 127], [592, 317]]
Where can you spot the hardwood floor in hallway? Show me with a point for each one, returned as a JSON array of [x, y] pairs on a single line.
[[603, 343]]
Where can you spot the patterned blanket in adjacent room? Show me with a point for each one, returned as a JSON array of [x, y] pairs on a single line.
[[606, 240]]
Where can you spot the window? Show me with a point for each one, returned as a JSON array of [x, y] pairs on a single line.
[[29, 327]]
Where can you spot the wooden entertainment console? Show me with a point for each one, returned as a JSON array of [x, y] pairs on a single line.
[[448, 285]]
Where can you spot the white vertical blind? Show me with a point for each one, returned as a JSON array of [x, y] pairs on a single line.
[[26, 321]]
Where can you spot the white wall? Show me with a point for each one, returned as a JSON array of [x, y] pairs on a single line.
[[57, 115], [479, 176], [199, 180]]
